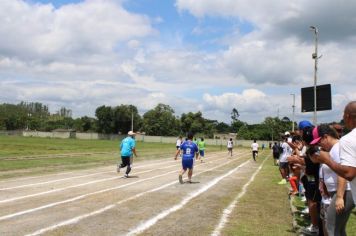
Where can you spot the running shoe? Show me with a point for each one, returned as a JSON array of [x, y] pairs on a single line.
[[283, 181], [181, 179], [311, 230], [126, 176]]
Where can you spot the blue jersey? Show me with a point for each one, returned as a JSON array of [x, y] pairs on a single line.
[[126, 146], [189, 149]]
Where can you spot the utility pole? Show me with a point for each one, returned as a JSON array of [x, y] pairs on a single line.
[[315, 57], [132, 120], [293, 107]]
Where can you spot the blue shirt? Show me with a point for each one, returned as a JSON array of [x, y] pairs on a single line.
[[126, 146], [189, 149]]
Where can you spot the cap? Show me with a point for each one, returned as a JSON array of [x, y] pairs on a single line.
[[316, 137], [304, 123], [131, 133], [286, 133]]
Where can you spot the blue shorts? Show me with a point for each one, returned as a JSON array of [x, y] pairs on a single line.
[[187, 163], [201, 153]]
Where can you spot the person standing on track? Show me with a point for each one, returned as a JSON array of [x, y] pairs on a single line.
[[254, 147], [190, 150], [201, 146], [230, 145], [127, 149]]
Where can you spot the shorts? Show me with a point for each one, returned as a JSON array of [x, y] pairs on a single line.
[[201, 153], [177, 147], [229, 149], [187, 163], [312, 191], [275, 155], [283, 165]]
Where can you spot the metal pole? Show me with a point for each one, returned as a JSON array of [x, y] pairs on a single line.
[[131, 120], [293, 111], [315, 57]]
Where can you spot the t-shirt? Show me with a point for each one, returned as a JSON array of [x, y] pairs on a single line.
[[126, 146], [179, 142], [348, 155], [329, 176], [189, 149], [254, 146], [201, 145], [229, 144], [275, 148], [287, 151]]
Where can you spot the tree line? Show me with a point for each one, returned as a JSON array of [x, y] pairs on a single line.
[[159, 121]]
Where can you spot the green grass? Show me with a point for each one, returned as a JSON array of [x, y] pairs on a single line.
[[265, 208], [21, 156]]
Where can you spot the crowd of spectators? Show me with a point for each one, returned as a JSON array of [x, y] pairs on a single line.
[[320, 163]]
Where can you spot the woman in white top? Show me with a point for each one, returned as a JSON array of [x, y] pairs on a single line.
[[337, 187]]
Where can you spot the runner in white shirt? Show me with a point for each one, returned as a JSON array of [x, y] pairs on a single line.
[[254, 147], [230, 145]]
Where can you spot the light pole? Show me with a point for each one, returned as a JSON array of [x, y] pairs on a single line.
[[315, 57], [293, 111]]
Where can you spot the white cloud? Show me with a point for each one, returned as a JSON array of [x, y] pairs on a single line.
[[98, 53]]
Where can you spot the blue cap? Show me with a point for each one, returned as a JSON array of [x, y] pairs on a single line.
[[304, 123]]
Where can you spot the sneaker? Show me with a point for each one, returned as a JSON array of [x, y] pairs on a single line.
[[306, 210], [126, 176], [181, 179], [118, 169], [283, 181], [303, 199], [311, 229]]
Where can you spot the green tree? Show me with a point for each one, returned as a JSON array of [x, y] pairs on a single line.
[[161, 121], [104, 119]]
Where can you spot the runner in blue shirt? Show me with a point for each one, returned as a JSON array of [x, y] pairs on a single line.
[[127, 149], [190, 150]]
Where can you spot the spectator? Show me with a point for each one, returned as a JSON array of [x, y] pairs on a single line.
[[347, 166], [275, 152], [338, 188]]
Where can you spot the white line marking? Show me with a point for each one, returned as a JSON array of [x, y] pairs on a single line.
[[227, 211], [99, 211], [79, 176], [147, 224], [5, 217]]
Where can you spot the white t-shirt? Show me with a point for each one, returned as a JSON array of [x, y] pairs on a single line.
[[348, 155], [229, 144], [330, 177], [254, 146], [287, 151], [179, 142]]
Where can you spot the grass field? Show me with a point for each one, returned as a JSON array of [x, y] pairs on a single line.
[[263, 210], [30, 155]]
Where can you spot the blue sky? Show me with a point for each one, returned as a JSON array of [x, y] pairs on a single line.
[[194, 55]]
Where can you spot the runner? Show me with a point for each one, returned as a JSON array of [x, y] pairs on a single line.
[[127, 149], [230, 145], [201, 146], [254, 147], [190, 149]]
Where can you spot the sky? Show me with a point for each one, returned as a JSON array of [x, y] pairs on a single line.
[[194, 55]]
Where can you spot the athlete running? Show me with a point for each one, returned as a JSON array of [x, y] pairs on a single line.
[[127, 149], [190, 150]]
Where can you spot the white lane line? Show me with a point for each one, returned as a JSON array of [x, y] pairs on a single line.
[[81, 197], [227, 211], [75, 177], [106, 208], [147, 224], [74, 186], [5, 217], [79, 185]]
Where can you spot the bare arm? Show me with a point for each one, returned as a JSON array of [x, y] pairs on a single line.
[[177, 153], [134, 151], [339, 203]]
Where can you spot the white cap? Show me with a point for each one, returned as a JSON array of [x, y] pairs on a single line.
[[131, 133], [286, 133]]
